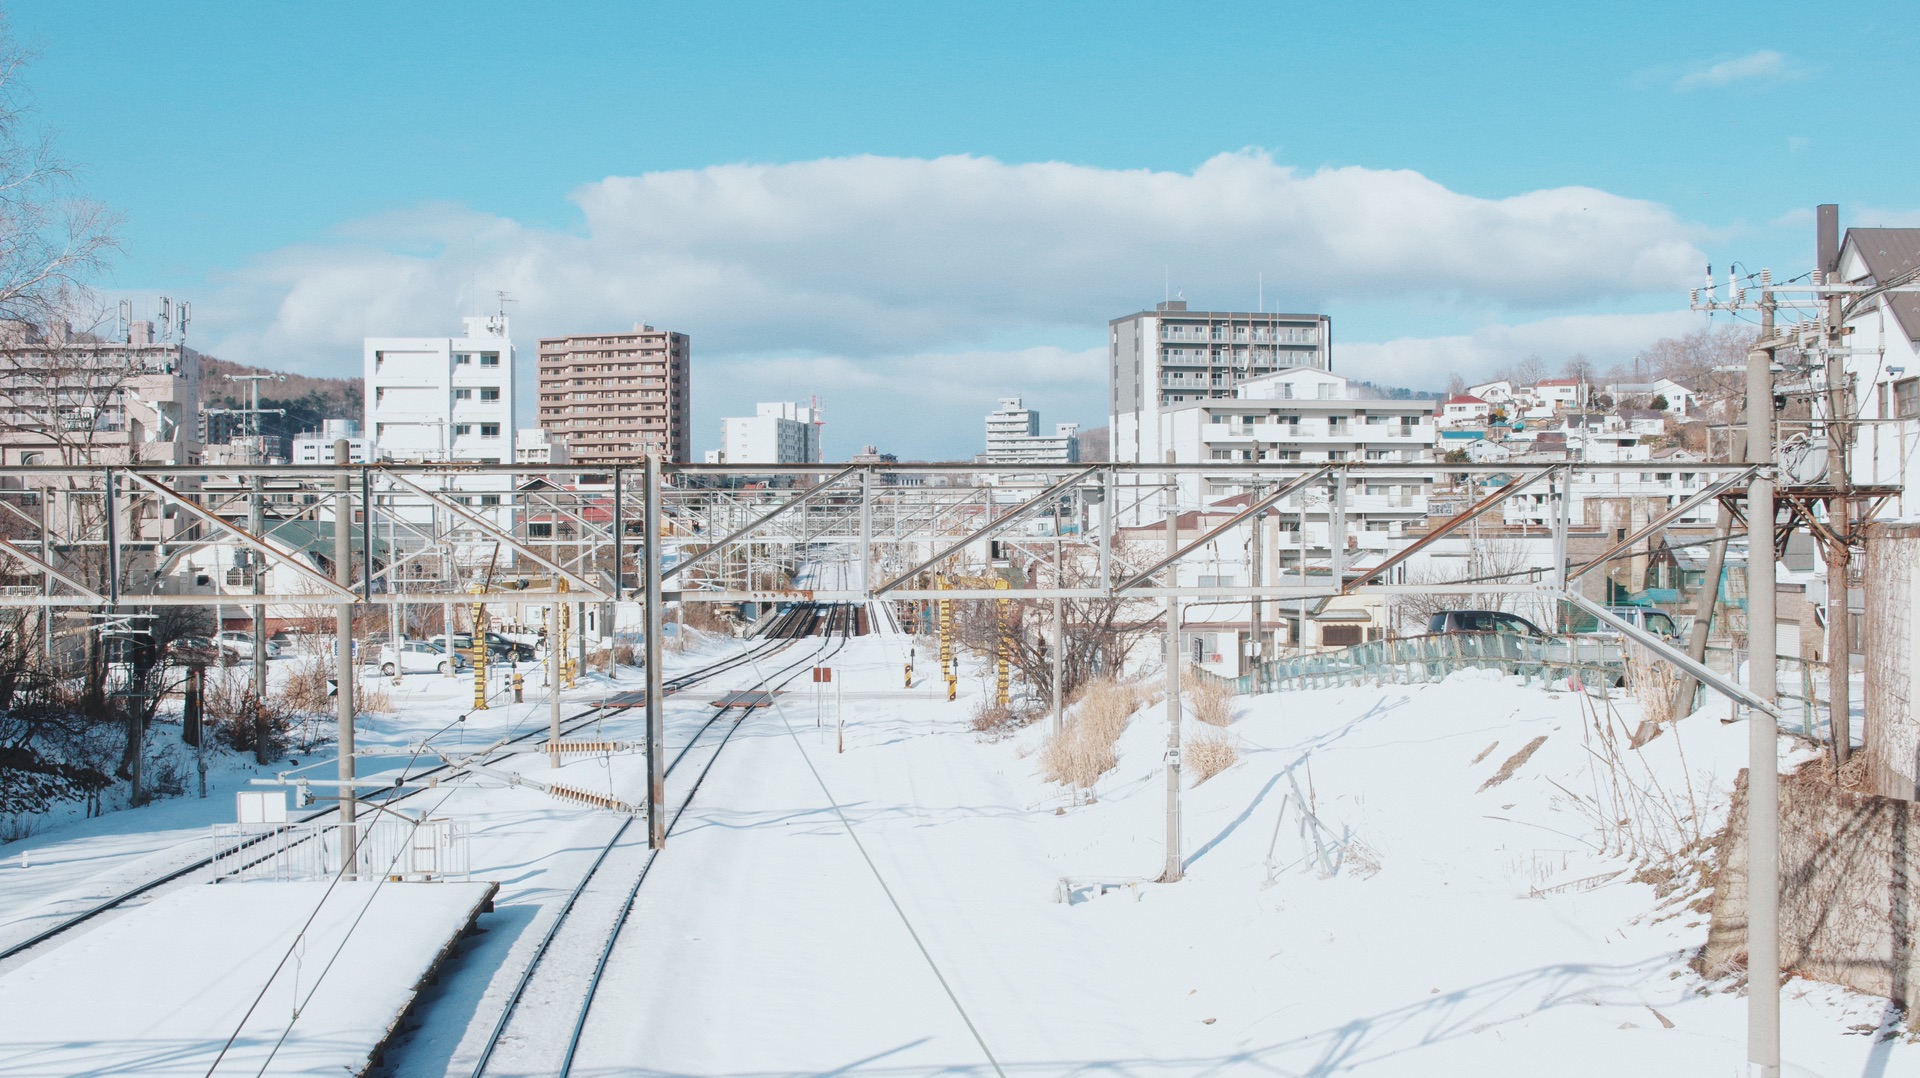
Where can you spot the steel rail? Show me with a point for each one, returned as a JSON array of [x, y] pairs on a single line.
[[577, 720]]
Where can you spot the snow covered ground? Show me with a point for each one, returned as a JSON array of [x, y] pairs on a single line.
[[891, 909]]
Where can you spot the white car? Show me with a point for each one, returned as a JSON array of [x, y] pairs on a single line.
[[418, 656], [241, 645]]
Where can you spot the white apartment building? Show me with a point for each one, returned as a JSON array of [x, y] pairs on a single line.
[[443, 398], [447, 399], [1171, 356], [1013, 437], [777, 433], [316, 447], [1311, 417]]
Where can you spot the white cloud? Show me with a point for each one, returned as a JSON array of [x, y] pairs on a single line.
[[1427, 361], [1764, 64], [912, 274]]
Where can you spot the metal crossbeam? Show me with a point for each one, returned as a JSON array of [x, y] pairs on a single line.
[[1282, 491], [493, 531], [992, 526], [1437, 534], [246, 538], [749, 529], [1724, 686]]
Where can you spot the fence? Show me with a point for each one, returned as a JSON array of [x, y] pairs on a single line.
[[1430, 658], [385, 845]]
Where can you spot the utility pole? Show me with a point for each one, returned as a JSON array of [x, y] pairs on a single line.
[[1059, 638], [1839, 546], [1763, 752], [1174, 868], [345, 669], [1254, 575]]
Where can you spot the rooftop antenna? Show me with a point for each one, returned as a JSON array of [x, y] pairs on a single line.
[[182, 314], [166, 315]]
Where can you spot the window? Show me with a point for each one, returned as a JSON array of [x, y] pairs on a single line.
[[463, 394], [461, 359], [489, 394], [489, 430], [462, 428], [489, 499], [1906, 398], [489, 359], [1336, 454]]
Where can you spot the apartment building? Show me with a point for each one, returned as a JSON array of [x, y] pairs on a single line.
[[779, 432], [616, 398], [1013, 437], [1171, 356], [69, 397]]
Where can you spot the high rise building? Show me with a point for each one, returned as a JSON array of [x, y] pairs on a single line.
[[442, 398], [776, 433], [1170, 356], [1013, 437], [615, 398]]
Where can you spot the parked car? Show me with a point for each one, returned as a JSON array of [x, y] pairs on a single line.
[[1481, 621], [1657, 622], [197, 651], [499, 648], [242, 645], [418, 656]]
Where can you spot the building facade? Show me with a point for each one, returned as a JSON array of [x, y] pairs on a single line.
[[442, 398], [1171, 356], [779, 432], [1013, 437], [616, 398], [316, 446], [73, 398]]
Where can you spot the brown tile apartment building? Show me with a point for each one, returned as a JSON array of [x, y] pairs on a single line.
[[613, 398]]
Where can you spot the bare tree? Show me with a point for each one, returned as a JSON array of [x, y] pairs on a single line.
[[1528, 371], [1690, 359]]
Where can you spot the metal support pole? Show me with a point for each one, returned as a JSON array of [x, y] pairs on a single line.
[[1763, 753], [619, 526], [1337, 528], [1174, 868], [1704, 605], [1109, 522], [656, 690], [866, 533], [1840, 554], [345, 669]]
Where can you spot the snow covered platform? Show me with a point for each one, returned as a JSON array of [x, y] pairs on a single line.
[[300, 978]]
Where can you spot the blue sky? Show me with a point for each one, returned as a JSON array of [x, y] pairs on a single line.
[[913, 209]]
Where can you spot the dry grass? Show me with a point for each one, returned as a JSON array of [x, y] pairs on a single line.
[[1209, 753], [1080, 754], [305, 689], [230, 715], [1212, 698], [372, 696], [998, 720], [1653, 682]]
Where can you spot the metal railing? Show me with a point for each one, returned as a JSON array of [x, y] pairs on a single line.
[[385, 846], [1415, 659]]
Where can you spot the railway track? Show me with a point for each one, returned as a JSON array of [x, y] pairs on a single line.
[[557, 987], [769, 644]]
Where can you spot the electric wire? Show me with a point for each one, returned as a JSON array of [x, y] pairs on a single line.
[[906, 922]]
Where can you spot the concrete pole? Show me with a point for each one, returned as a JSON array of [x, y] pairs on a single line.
[[1059, 640], [1763, 753], [344, 667], [656, 689], [1174, 869], [556, 660], [256, 523], [1254, 573]]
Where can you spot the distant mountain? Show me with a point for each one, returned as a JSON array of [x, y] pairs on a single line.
[[1375, 391], [307, 400]]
